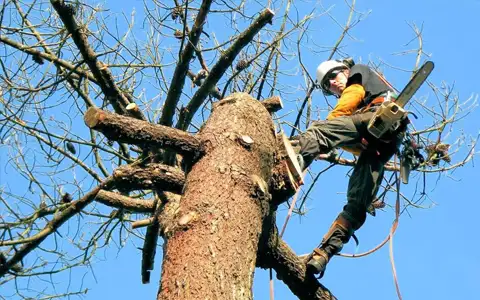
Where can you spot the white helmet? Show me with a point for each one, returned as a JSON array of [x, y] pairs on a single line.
[[326, 67]]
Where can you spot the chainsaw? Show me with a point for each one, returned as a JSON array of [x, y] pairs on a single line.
[[390, 116], [391, 113]]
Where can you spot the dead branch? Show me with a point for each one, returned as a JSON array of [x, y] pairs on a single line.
[[143, 223], [178, 80], [152, 176], [119, 201], [225, 61], [150, 244], [133, 131], [32, 242]]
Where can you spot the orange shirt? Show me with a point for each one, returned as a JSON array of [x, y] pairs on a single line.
[[348, 102]]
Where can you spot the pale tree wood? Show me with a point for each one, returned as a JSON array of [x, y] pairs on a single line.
[[273, 104]]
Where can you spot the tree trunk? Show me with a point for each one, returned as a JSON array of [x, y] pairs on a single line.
[[211, 247]]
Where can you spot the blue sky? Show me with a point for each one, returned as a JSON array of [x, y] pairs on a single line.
[[435, 249]]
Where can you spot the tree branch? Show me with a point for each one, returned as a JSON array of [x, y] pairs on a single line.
[[152, 176], [32, 242], [273, 104], [291, 269], [52, 58], [132, 131], [99, 70], [119, 201], [178, 80], [220, 67]]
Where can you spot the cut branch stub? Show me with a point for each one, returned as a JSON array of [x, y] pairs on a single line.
[[151, 176], [132, 131], [273, 104]]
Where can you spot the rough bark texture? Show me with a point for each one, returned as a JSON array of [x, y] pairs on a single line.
[[211, 251], [151, 176], [276, 254], [138, 132]]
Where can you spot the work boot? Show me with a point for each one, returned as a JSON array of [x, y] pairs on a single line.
[[332, 243]]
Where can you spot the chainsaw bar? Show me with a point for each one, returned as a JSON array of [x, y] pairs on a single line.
[[414, 84]]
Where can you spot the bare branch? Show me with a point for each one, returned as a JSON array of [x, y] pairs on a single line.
[[178, 80], [220, 67], [60, 62], [99, 70], [32, 242], [119, 201]]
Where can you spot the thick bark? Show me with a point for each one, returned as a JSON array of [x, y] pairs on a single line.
[[133, 131], [211, 245], [274, 253], [151, 176]]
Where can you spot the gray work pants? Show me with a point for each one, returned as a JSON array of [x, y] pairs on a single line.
[[323, 136]]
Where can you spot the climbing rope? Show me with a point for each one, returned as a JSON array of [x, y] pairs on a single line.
[[389, 237]]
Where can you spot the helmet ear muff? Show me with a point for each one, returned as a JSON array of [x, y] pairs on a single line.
[[349, 62]]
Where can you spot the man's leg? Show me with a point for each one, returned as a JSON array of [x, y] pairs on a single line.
[[362, 189], [323, 136]]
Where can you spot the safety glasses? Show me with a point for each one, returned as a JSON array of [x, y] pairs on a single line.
[[331, 75]]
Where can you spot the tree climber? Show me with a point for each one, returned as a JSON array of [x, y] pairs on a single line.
[[359, 91]]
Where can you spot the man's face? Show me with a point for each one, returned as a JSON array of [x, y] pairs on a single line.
[[338, 81]]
